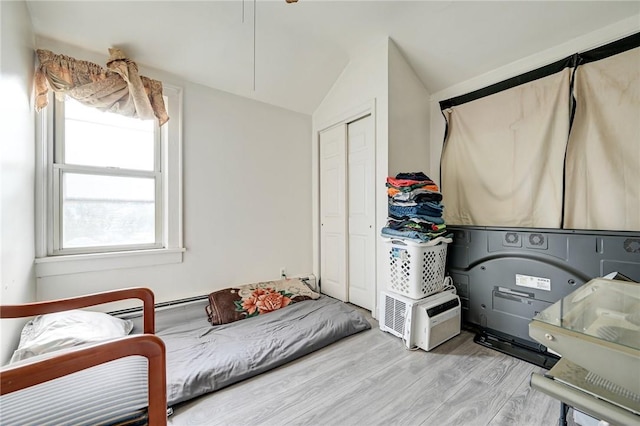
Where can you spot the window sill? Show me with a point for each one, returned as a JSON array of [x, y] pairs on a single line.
[[73, 264]]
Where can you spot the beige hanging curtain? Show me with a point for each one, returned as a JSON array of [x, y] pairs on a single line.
[[502, 163], [118, 89], [603, 155]]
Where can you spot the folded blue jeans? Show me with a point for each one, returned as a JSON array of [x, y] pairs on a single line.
[[421, 209], [432, 219], [410, 235]]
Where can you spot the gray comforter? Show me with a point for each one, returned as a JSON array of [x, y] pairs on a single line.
[[202, 358]]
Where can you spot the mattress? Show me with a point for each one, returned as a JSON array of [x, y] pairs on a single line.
[[202, 358], [121, 386]]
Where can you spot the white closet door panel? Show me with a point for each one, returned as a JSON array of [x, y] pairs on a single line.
[[332, 265], [358, 274], [361, 208], [332, 203], [333, 213]]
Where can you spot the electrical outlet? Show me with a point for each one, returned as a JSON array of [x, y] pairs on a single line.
[[283, 272]]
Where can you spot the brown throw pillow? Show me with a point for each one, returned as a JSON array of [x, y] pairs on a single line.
[[233, 304]]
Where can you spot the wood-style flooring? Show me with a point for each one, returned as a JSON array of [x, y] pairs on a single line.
[[371, 379]]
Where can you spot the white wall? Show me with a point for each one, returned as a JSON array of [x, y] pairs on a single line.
[[17, 165], [379, 76], [362, 84], [408, 117], [588, 41], [247, 205]]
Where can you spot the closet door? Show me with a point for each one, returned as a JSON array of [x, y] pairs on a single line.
[[333, 211], [361, 211]]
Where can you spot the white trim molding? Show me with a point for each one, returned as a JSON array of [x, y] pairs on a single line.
[[77, 263], [172, 245]]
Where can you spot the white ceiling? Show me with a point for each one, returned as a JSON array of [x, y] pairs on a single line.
[[301, 48]]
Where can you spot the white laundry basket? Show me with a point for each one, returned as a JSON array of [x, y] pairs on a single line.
[[416, 270]]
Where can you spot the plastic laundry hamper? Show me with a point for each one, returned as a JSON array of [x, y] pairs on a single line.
[[416, 270]]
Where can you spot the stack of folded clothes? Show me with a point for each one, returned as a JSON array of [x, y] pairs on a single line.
[[415, 208]]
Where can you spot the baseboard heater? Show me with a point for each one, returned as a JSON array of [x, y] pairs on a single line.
[[309, 280]]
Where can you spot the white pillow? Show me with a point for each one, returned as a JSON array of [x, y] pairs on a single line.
[[50, 332]]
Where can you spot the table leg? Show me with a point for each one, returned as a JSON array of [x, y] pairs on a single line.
[[564, 409]]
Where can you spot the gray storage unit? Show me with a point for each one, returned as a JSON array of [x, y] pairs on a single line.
[[504, 276]]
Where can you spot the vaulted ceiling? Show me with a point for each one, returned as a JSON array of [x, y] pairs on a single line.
[[301, 48]]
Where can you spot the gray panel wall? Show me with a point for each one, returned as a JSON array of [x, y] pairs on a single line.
[[485, 264]]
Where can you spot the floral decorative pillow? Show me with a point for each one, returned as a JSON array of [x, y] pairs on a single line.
[[234, 304]]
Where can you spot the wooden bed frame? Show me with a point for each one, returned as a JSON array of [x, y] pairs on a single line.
[[14, 378]]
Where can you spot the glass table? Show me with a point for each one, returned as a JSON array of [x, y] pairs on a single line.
[[596, 329]]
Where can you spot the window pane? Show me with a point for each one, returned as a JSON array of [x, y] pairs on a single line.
[[107, 210], [96, 138]]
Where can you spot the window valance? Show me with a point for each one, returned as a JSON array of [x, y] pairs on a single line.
[[118, 89]]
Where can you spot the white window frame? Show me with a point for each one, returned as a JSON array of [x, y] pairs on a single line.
[[60, 166], [168, 248]]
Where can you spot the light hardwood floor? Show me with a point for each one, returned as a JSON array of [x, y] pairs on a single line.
[[371, 379]]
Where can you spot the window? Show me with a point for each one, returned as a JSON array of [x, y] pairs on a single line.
[[109, 188], [107, 181]]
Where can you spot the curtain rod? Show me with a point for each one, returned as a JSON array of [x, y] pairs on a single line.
[[602, 52]]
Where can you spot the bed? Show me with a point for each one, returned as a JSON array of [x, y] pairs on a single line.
[[202, 358], [213, 341]]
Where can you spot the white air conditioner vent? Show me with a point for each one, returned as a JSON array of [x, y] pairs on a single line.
[[423, 323]]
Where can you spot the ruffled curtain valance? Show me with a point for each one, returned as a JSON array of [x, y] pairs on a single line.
[[118, 89]]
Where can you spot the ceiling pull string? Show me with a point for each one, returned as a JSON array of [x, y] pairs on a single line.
[[243, 11], [254, 45]]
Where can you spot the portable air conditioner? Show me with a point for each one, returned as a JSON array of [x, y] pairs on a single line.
[[437, 320], [423, 323], [396, 314]]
